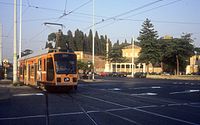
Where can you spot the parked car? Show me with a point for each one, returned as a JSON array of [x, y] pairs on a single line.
[[140, 75], [103, 74], [118, 74]]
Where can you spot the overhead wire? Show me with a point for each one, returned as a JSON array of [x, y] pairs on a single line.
[[65, 14], [121, 19], [65, 6], [125, 13], [154, 8], [11, 28]]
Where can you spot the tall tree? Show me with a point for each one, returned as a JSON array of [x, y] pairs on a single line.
[[149, 44], [70, 40], [176, 52], [97, 43], [78, 39], [90, 41], [85, 44]]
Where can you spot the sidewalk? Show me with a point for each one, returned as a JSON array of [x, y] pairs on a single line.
[[91, 81], [5, 89]]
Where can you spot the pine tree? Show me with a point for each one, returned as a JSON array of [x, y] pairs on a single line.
[[149, 44], [90, 41], [70, 40], [96, 45]]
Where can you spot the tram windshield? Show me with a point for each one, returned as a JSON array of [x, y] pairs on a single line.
[[65, 63]]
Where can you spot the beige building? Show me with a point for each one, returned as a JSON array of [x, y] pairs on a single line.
[[194, 65], [129, 52], [99, 60]]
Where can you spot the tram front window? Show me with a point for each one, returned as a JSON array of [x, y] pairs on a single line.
[[65, 63]]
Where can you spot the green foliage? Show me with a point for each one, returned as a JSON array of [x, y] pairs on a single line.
[[84, 66], [52, 37], [197, 50], [149, 44], [168, 51], [115, 54], [79, 42], [180, 47]]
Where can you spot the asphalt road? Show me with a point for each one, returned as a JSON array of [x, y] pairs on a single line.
[[111, 101]]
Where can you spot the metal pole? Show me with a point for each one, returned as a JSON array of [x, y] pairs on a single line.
[[15, 44], [1, 44], [20, 30], [132, 69], [47, 107], [93, 30], [107, 45]]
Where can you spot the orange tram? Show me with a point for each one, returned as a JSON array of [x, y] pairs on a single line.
[[49, 69]]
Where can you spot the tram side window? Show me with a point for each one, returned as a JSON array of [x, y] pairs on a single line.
[[44, 64], [39, 65], [20, 70], [50, 69], [32, 70], [29, 72], [25, 70]]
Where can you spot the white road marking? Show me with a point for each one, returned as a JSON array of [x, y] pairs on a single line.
[[148, 93], [96, 111], [152, 87], [167, 117], [65, 114], [148, 112], [122, 93], [29, 94], [156, 87], [186, 91], [23, 117], [115, 89]]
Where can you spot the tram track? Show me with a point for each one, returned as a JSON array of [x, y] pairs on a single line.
[[87, 113], [144, 111], [169, 102]]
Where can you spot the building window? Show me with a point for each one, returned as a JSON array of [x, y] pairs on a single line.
[[127, 66]]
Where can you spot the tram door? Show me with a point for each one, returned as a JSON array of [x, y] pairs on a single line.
[[35, 72], [50, 70]]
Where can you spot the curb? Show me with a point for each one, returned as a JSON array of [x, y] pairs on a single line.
[[90, 80], [181, 77]]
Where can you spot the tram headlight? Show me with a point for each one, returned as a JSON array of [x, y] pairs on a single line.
[[67, 79]]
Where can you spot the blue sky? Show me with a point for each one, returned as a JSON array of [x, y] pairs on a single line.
[[170, 17]]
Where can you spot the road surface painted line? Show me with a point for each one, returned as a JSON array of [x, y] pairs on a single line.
[[186, 91], [148, 93], [23, 117], [109, 102], [138, 96], [148, 112], [65, 114], [115, 89], [124, 118], [152, 87], [29, 94], [117, 109], [168, 117]]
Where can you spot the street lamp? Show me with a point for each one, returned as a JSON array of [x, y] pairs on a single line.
[[5, 65], [89, 69]]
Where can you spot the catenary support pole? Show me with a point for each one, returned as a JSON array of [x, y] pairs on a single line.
[[15, 44], [20, 30], [93, 35], [1, 44]]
